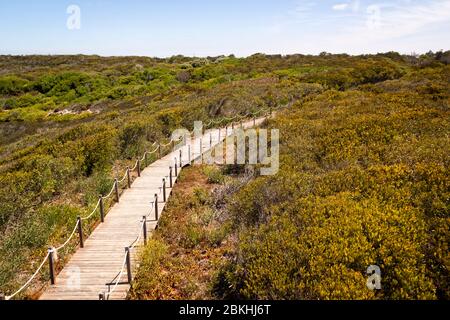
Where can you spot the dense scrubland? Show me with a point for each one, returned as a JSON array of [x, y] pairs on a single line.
[[363, 180]]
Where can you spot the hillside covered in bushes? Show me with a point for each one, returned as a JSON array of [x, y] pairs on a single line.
[[364, 164]]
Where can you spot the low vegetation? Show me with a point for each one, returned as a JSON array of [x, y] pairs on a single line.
[[363, 180], [191, 242]]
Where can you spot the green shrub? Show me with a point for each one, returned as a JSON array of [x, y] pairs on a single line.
[[322, 247], [214, 175], [12, 85], [355, 188], [201, 196]]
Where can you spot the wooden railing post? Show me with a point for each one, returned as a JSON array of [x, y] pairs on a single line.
[[116, 188], [201, 148], [51, 265], [181, 160], [159, 151], [102, 209], [176, 168], [128, 178], [145, 229], [189, 153], [236, 149], [210, 140], [170, 178], [156, 208], [146, 159], [173, 145], [164, 190], [254, 121], [139, 167], [80, 231], [128, 253]]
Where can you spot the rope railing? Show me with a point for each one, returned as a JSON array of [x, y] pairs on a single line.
[[142, 232], [29, 280], [148, 153], [93, 211], [233, 118], [170, 142], [219, 121], [123, 178], [154, 151], [111, 192], [70, 237], [135, 242], [118, 277], [99, 203], [135, 166]]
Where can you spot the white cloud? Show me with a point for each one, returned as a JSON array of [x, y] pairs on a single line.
[[398, 21], [363, 27], [302, 9], [396, 26], [350, 5], [340, 6]]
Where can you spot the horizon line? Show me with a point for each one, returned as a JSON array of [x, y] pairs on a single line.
[[413, 53]]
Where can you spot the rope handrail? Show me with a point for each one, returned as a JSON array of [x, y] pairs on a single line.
[[29, 280], [148, 152], [119, 276], [165, 145], [111, 192], [135, 165], [258, 112], [171, 140], [151, 152], [218, 121], [70, 237], [133, 244], [232, 118], [93, 211], [123, 179]]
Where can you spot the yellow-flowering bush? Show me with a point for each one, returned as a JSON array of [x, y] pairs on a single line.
[[364, 180]]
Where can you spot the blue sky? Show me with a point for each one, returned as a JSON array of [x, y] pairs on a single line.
[[242, 27]]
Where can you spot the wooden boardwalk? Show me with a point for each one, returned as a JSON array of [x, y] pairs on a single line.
[[93, 268]]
